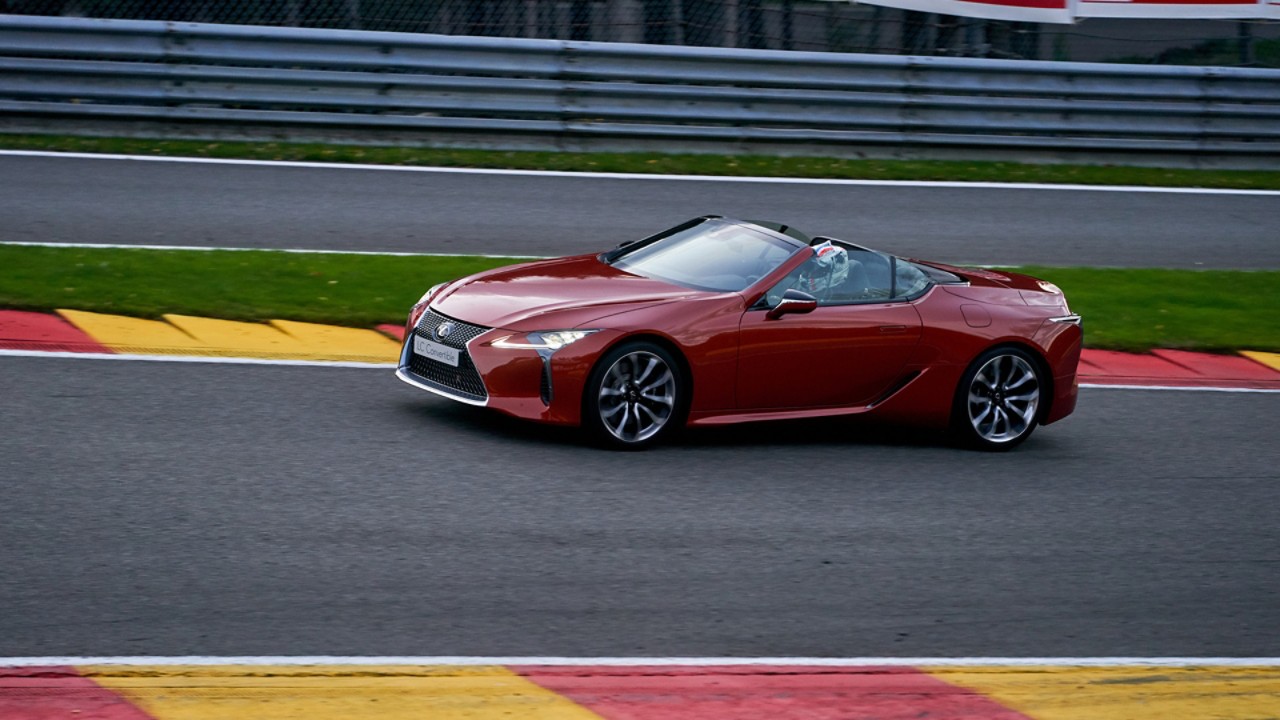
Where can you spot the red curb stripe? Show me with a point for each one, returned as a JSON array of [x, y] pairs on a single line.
[[39, 331], [395, 331], [1175, 368], [46, 693], [1133, 365], [21, 330], [1224, 367], [765, 693]]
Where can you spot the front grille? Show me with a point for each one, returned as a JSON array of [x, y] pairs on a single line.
[[462, 334], [462, 380]]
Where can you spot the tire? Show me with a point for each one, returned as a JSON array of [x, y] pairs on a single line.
[[998, 402], [635, 396]]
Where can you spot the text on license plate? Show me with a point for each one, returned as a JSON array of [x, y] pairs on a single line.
[[435, 351]]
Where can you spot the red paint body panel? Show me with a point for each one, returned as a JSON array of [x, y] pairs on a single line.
[[841, 355], [899, 360], [765, 693], [565, 293]]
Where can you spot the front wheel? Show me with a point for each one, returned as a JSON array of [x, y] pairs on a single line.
[[997, 404], [634, 396]]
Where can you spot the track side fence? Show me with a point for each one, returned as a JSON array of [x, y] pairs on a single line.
[[204, 80]]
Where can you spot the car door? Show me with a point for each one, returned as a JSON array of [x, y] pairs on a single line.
[[848, 351], [838, 355]]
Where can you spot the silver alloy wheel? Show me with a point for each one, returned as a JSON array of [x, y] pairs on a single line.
[[1003, 399], [637, 396]]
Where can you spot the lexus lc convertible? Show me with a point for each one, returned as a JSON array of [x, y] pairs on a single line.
[[721, 321]]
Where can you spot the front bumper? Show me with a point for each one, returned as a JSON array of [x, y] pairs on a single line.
[[516, 381]]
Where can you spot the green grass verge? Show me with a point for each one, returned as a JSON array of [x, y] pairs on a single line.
[[1123, 309], [1141, 309], [355, 290], [727, 165]]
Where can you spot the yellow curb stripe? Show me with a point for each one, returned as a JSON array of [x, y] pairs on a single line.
[[238, 339], [276, 340], [1126, 693], [132, 335], [1271, 360], [331, 342], [334, 692]]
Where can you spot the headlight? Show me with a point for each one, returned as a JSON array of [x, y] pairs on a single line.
[[545, 340], [420, 307], [426, 297], [1049, 287]]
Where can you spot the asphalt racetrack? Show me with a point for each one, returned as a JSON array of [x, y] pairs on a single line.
[[213, 509], [197, 508], [166, 203]]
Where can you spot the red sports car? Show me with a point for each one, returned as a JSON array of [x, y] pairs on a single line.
[[721, 321]]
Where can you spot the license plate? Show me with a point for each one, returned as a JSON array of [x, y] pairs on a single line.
[[435, 351]]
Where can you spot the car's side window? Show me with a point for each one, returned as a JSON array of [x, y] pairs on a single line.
[[908, 279], [866, 277]]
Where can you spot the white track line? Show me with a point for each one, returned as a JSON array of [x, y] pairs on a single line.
[[1102, 386], [322, 251], [197, 359], [299, 251], [643, 661], [384, 366], [642, 176]]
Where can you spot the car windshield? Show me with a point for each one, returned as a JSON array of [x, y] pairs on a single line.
[[708, 254]]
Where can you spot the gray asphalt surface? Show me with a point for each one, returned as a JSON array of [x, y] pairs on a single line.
[[147, 203], [174, 509]]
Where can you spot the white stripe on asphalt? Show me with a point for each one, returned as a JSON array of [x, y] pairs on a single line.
[[1101, 386], [300, 251], [320, 251], [642, 661], [195, 359], [644, 176], [385, 366]]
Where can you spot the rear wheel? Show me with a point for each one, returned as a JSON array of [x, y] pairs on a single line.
[[997, 405], [635, 395]]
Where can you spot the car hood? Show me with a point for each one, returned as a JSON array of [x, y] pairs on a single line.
[[552, 294]]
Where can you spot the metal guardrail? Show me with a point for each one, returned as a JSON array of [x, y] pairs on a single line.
[[112, 70]]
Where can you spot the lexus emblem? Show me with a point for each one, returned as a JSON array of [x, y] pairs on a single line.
[[445, 330]]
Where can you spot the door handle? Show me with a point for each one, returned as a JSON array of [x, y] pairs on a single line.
[[887, 329]]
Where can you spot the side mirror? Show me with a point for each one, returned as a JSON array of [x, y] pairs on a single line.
[[793, 302]]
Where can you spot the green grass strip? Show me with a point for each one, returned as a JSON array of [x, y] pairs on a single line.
[[683, 164], [1124, 309], [1141, 309], [354, 290]]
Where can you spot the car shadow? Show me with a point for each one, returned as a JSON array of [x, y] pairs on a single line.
[[827, 431], [483, 421]]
